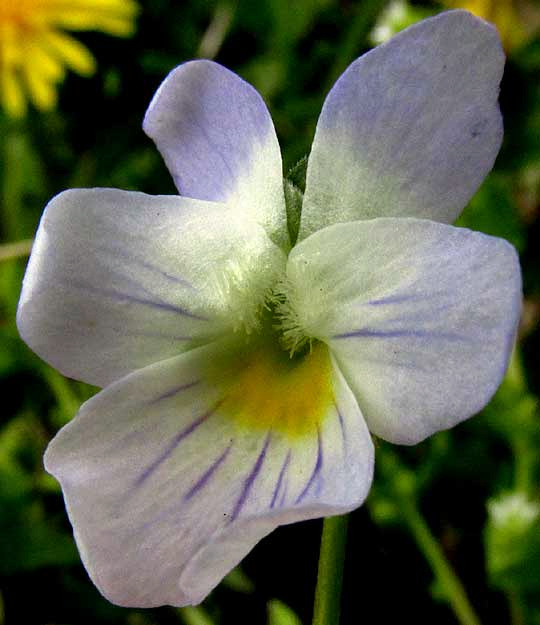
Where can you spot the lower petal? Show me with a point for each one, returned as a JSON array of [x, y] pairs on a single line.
[[169, 484]]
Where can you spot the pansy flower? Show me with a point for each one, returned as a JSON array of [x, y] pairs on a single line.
[[244, 371]]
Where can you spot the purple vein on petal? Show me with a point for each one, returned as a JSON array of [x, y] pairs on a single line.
[[394, 334], [316, 470], [154, 335], [174, 391], [126, 297], [133, 286], [152, 304], [205, 477], [284, 490], [173, 445], [280, 478], [342, 424], [117, 253], [249, 481], [403, 298], [394, 299]]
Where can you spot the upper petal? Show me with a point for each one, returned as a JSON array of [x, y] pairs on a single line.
[[411, 128], [118, 280], [168, 488], [420, 316], [218, 141]]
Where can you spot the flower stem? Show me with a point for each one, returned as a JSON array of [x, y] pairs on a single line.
[[397, 478], [18, 249], [428, 545], [330, 575], [217, 30]]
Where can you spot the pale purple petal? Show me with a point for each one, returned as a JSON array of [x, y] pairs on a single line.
[[218, 141], [166, 493], [118, 280], [420, 316], [411, 128]]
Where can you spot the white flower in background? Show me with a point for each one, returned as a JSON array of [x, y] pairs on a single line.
[[513, 511], [242, 373]]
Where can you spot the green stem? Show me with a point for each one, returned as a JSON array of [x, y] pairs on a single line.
[[401, 482], [525, 456], [18, 249], [525, 459], [217, 30], [330, 575], [433, 553]]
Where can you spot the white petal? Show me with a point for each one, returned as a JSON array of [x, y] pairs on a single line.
[[118, 280], [218, 140], [420, 316], [167, 490], [411, 128]]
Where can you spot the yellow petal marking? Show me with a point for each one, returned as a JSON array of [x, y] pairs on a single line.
[[267, 390]]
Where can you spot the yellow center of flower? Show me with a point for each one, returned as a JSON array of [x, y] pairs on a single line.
[[273, 375], [34, 52], [266, 389]]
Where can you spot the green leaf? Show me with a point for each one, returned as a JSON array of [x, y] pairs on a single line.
[[293, 202], [281, 614], [238, 581], [297, 174], [28, 539], [28, 542], [493, 211], [195, 615]]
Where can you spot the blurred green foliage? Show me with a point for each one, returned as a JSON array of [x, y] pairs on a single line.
[[474, 490]]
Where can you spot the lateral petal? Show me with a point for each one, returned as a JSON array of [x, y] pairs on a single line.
[[118, 280], [420, 316]]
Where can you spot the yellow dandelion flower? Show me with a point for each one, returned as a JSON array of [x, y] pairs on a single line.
[[35, 51]]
